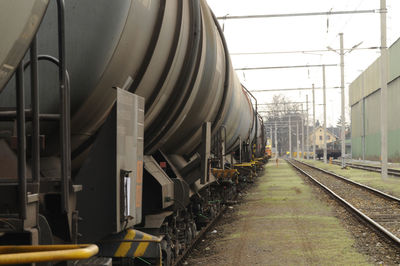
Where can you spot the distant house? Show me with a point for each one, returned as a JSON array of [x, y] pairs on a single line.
[[319, 137]]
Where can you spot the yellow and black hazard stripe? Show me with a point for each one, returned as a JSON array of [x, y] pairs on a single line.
[[131, 243], [133, 249]]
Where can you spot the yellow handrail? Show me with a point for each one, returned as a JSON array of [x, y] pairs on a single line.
[[43, 253]]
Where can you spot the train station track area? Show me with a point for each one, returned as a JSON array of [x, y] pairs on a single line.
[[280, 221], [390, 185]]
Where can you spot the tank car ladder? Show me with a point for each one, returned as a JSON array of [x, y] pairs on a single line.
[[19, 197]]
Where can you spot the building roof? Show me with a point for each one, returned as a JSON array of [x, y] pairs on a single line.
[[327, 130], [369, 80]]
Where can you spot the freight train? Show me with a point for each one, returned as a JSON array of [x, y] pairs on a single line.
[[122, 123]]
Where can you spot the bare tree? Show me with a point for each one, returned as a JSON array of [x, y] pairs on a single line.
[[339, 124], [279, 111]]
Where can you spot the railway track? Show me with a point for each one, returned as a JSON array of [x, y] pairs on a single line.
[[378, 209], [371, 168], [180, 260]]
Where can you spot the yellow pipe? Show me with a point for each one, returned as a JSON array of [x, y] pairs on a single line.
[[43, 253]]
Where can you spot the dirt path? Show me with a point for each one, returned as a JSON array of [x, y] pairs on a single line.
[[280, 222]]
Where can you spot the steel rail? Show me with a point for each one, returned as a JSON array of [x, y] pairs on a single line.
[[200, 235], [371, 168], [359, 214], [186, 252], [375, 191]]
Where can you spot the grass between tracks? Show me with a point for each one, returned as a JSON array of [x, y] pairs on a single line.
[[391, 185], [283, 223]]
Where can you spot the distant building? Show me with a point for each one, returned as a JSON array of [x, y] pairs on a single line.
[[319, 137]]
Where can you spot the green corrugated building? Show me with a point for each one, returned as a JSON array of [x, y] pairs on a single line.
[[364, 99]]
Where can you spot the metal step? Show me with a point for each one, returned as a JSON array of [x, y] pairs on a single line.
[[94, 261]]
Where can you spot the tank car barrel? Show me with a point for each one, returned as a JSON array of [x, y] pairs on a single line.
[[227, 72]]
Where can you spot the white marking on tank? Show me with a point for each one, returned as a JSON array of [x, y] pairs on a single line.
[[8, 67]]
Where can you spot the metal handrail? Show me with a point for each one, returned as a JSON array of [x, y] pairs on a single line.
[[45, 253]]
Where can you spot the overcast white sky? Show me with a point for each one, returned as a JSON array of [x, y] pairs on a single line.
[[303, 33]]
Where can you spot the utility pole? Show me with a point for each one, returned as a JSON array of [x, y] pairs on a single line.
[[302, 132], [343, 133], [307, 128], [363, 117], [343, 116], [290, 139], [313, 126], [324, 95], [276, 141], [384, 74], [297, 140], [272, 134]]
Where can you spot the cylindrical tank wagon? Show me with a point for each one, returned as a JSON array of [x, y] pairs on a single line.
[[154, 106]]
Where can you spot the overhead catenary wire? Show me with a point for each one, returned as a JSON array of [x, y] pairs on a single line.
[[299, 14], [283, 109], [279, 104], [292, 89], [282, 121], [323, 13], [283, 67], [301, 51]]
